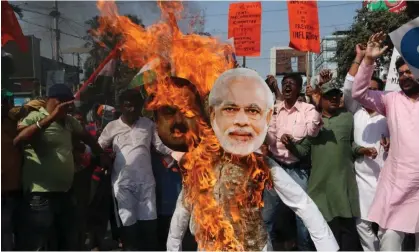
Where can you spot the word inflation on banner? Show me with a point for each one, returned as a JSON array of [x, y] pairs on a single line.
[[392, 83], [406, 40], [304, 26], [244, 25]]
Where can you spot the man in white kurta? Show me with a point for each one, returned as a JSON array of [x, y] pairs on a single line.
[[369, 126], [290, 193], [131, 137]]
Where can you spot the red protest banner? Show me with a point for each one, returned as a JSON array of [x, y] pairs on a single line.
[[304, 26], [244, 25]]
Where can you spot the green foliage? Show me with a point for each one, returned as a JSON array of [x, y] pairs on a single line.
[[101, 47], [103, 90], [366, 23]]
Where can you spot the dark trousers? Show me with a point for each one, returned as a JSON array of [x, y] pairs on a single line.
[[188, 243], [43, 214], [9, 208], [142, 236], [344, 230], [274, 208]]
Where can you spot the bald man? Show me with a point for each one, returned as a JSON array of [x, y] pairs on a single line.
[[240, 105]]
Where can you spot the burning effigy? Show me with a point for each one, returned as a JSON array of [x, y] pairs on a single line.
[[222, 190]]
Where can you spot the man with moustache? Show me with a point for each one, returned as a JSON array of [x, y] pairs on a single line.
[[131, 137], [241, 106], [332, 184], [174, 125], [297, 120], [396, 203], [175, 128]]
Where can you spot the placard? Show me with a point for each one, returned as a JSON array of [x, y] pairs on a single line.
[[244, 25], [304, 26], [406, 40], [392, 83]]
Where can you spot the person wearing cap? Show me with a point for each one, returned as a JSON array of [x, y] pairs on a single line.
[[395, 207], [48, 171], [332, 184]]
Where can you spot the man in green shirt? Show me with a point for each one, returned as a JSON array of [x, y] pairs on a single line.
[[48, 171], [332, 184]]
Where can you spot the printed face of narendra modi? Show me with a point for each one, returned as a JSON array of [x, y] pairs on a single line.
[[241, 107]]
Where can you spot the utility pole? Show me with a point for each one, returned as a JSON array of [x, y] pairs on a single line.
[[55, 14]]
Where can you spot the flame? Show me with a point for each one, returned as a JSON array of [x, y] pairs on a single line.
[[199, 59]]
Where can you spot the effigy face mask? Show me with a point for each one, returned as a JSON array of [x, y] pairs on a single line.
[[240, 114]]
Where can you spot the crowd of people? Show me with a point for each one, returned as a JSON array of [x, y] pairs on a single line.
[[343, 163]]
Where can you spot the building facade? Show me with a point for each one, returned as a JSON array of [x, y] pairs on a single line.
[[325, 59], [287, 60]]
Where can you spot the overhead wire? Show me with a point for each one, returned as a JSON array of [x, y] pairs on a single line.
[[65, 33]]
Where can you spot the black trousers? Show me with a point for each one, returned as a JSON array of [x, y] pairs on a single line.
[[344, 230], [142, 236], [44, 214]]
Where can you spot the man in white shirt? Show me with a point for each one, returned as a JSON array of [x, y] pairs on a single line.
[[369, 127], [131, 137]]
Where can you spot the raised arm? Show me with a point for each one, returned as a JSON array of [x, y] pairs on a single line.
[[350, 104], [294, 197], [371, 99], [271, 137], [178, 225]]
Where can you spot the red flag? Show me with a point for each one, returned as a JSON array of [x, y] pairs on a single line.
[[10, 28]]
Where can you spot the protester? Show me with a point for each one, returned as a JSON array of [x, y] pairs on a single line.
[[131, 137], [369, 130], [291, 119], [241, 105], [98, 117], [396, 203], [332, 183], [48, 171], [168, 187], [177, 129], [10, 173]]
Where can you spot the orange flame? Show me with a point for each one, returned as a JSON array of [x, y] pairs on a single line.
[[200, 60]]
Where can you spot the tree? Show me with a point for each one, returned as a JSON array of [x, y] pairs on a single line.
[[100, 48], [366, 23]]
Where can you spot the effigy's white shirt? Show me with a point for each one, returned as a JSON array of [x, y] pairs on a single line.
[[290, 193]]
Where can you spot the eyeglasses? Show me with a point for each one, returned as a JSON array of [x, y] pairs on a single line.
[[401, 73]]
